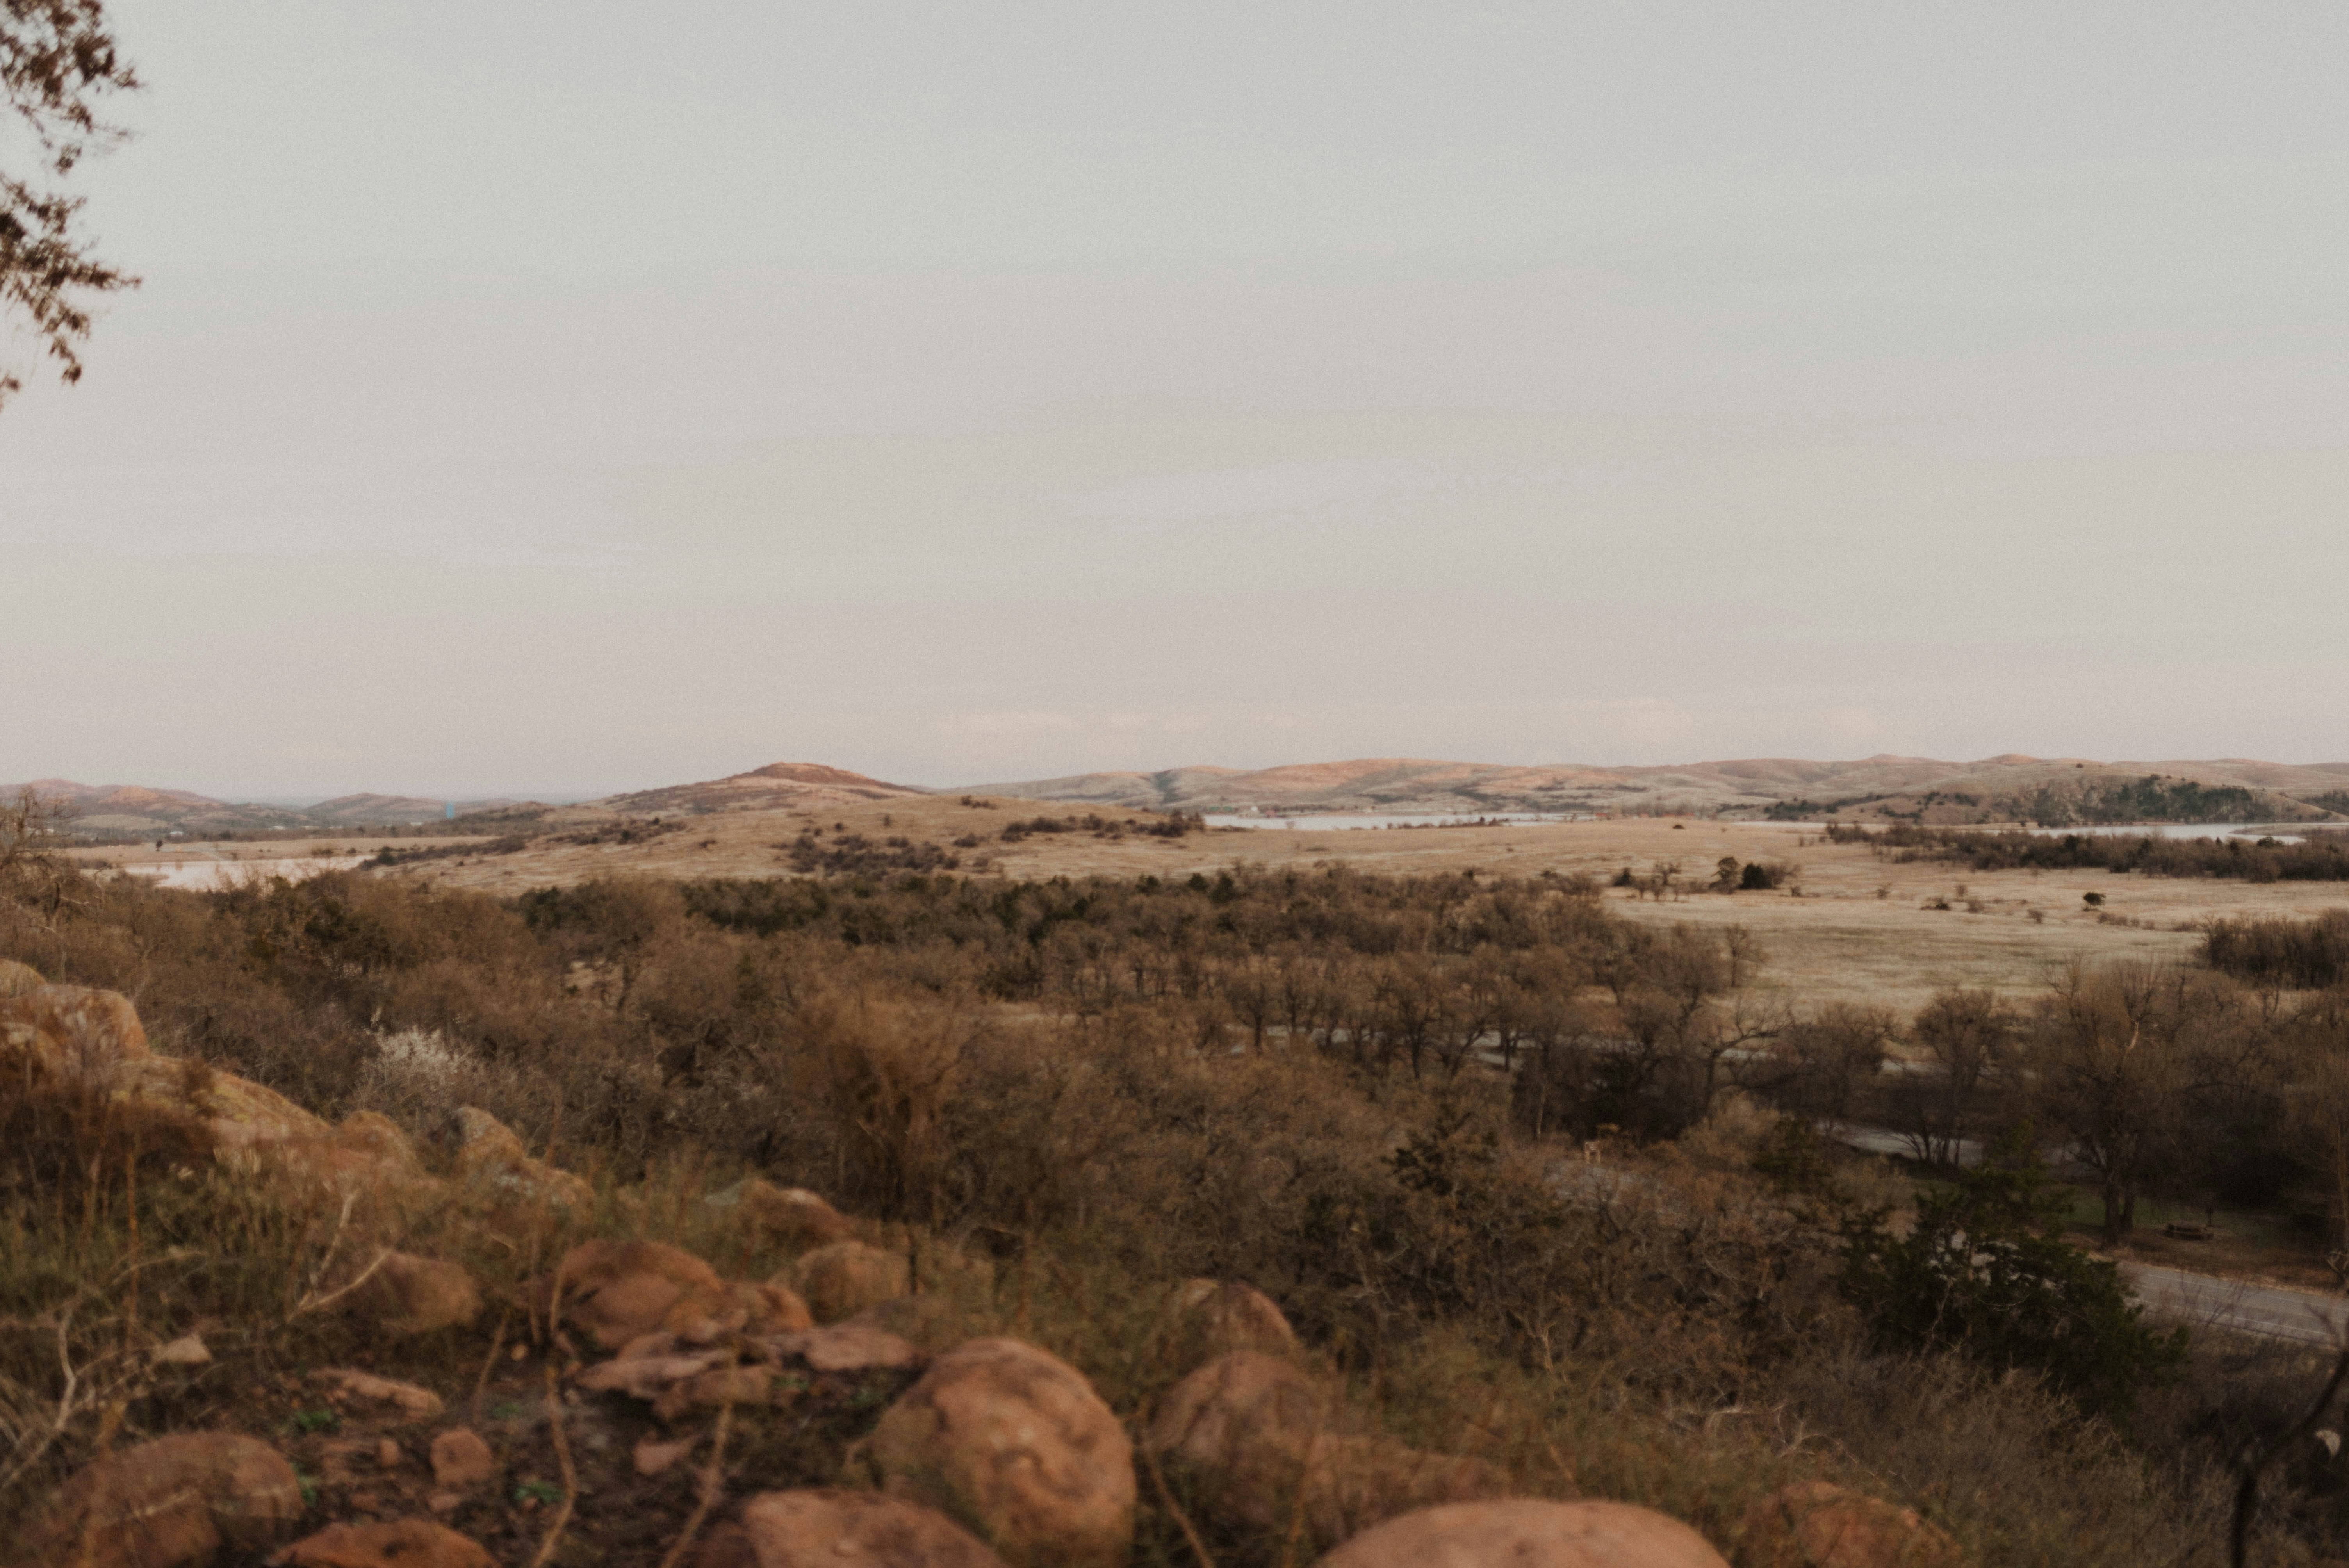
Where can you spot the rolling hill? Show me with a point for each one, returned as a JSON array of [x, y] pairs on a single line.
[[1884, 788], [2009, 788]]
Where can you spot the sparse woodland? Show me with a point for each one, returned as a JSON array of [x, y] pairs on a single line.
[[1537, 1189]]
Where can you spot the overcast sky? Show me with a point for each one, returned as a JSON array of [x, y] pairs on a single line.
[[567, 398]]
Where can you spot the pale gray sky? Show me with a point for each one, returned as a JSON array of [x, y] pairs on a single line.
[[568, 397]]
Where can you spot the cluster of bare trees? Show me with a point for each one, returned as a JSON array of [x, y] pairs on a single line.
[[2159, 1081]]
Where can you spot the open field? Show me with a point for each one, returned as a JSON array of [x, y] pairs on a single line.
[[1839, 940], [1864, 929]]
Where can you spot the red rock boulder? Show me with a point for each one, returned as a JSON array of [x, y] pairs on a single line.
[[1520, 1533], [69, 1029], [1274, 1451], [1815, 1524], [827, 1527], [846, 1277], [1208, 1318], [175, 1502], [402, 1544], [786, 1216], [1014, 1443], [621, 1291]]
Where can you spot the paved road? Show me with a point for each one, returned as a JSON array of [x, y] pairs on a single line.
[[2200, 1301]]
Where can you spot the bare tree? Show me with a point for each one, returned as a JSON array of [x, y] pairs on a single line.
[[2123, 1059], [1962, 1039], [58, 61]]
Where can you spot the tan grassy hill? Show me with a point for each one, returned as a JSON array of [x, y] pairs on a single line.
[[778, 784], [136, 808], [1416, 784], [403, 809], [1883, 787], [136, 811]]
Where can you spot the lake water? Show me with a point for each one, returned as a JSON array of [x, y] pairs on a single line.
[[213, 875]]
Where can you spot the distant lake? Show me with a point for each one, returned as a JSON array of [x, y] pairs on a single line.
[[1336, 820]]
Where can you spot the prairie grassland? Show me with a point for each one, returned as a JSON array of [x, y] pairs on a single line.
[[1864, 930]]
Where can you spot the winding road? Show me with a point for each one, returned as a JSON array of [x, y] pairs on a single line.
[[2205, 1301]]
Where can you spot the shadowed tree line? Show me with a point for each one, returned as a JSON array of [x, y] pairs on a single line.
[[2321, 857]]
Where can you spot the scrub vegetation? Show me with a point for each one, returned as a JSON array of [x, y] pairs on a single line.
[[1538, 1184]]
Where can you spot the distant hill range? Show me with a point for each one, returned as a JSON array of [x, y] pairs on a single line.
[[2057, 792], [133, 811], [2052, 791]]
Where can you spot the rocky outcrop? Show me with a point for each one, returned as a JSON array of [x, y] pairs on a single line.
[[783, 1216], [1272, 1451], [95, 1038], [1520, 1533], [175, 1502], [1815, 1525], [1014, 1443], [1207, 1318], [617, 1291], [397, 1294], [845, 1278], [403, 1543], [678, 1376], [67, 1029], [495, 1169], [828, 1527]]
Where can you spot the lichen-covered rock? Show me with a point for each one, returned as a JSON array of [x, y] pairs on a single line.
[[845, 1278], [69, 1029], [175, 1502], [1815, 1525], [1215, 1318], [378, 1138], [1014, 1443], [402, 1544], [828, 1527], [1521, 1532], [396, 1294], [1216, 1415], [786, 1216], [1272, 1450], [617, 1291], [495, 1169], [620, 1291], [245, 1120]]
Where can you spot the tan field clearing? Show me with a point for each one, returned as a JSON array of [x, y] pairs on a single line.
[[1861, 931]]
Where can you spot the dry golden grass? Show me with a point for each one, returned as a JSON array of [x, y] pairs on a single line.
[[1838, 941], [1862, 930]]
